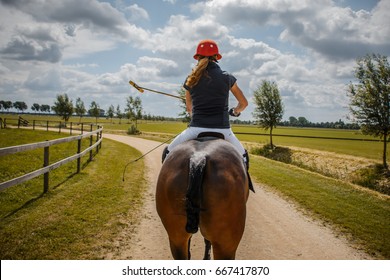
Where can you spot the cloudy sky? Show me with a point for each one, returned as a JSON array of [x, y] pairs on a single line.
[[91, 49]]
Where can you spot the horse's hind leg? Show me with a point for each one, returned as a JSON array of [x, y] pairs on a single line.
[[207, 249], [223, 252], [180, 249]]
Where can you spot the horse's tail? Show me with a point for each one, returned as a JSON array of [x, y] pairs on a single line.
[[194, 192]]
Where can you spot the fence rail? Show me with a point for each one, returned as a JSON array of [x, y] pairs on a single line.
[[309, 137], [47, 168], [49, 125]]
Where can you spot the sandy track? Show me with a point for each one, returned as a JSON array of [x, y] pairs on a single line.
[[275, 229]]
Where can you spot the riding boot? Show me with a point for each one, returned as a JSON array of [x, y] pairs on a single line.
[[246, 157], [164, 154]]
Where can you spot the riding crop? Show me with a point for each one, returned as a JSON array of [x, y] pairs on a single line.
[[141, 89], [137, 159]]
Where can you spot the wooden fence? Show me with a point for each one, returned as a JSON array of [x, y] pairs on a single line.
[[61, 126], [46, 167]]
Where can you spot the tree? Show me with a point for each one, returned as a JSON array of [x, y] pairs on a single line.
[[36, 107], [370, 98], [134, 109], [129, 108], [94, 110], [269, 108], [293, 121], [7, 105], [80, 108], [45, 108], [119, 114], [110, 112], [302, 121], [63, 107], [20, 106], [184, 114]]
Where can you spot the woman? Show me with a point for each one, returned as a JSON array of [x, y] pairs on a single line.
[[207, 96]]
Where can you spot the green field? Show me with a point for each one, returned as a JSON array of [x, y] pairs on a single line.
[[366, 149], [81, 215]]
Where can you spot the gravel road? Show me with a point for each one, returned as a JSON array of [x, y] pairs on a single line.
[[275, 229]]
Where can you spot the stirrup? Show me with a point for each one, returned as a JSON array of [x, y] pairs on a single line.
[[246, 156], [250, 184]]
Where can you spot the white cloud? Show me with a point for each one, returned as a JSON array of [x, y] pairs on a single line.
[[136, 13], [181, 34], [46, 81], [164, 67], [335, 32], [48, 30], [91, 14], [40, 38]]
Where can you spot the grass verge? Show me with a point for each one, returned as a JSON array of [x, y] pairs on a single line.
[[361, 214], [79, 218], [360, 171]]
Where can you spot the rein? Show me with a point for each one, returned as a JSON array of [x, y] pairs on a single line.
[[137, 159]]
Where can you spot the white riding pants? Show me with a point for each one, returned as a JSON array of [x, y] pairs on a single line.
[[193, 132]]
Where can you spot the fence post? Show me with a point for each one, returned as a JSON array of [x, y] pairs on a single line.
[[90, 144], [78, 151], [100, 137], [47, 125], [82, 128], [71, 123], [97, 139], [46, 163]]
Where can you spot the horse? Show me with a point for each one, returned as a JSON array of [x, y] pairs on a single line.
[[203, 184]]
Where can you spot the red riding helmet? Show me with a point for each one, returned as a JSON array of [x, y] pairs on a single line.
[[207, 48]]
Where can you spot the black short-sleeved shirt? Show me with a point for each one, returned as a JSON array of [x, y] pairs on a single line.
[[210, 98]]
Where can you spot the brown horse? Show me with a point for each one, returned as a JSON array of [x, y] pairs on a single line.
[[203, 184]]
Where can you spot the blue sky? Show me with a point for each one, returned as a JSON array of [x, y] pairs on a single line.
[[91, 49]]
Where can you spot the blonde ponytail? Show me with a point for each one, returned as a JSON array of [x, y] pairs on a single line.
[[198, 71]]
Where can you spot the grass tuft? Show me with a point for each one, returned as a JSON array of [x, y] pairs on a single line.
[[374, 177]]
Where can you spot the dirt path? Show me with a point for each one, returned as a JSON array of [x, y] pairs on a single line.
[[274, 228]]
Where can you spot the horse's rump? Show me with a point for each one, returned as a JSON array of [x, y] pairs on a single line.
[[203, 184]]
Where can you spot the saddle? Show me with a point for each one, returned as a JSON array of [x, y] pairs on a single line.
[[209, 135]]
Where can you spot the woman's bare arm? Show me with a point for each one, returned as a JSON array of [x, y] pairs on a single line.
[[242, 101]]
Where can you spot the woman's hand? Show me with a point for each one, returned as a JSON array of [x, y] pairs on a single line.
[[233, 113], [242, 102]]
